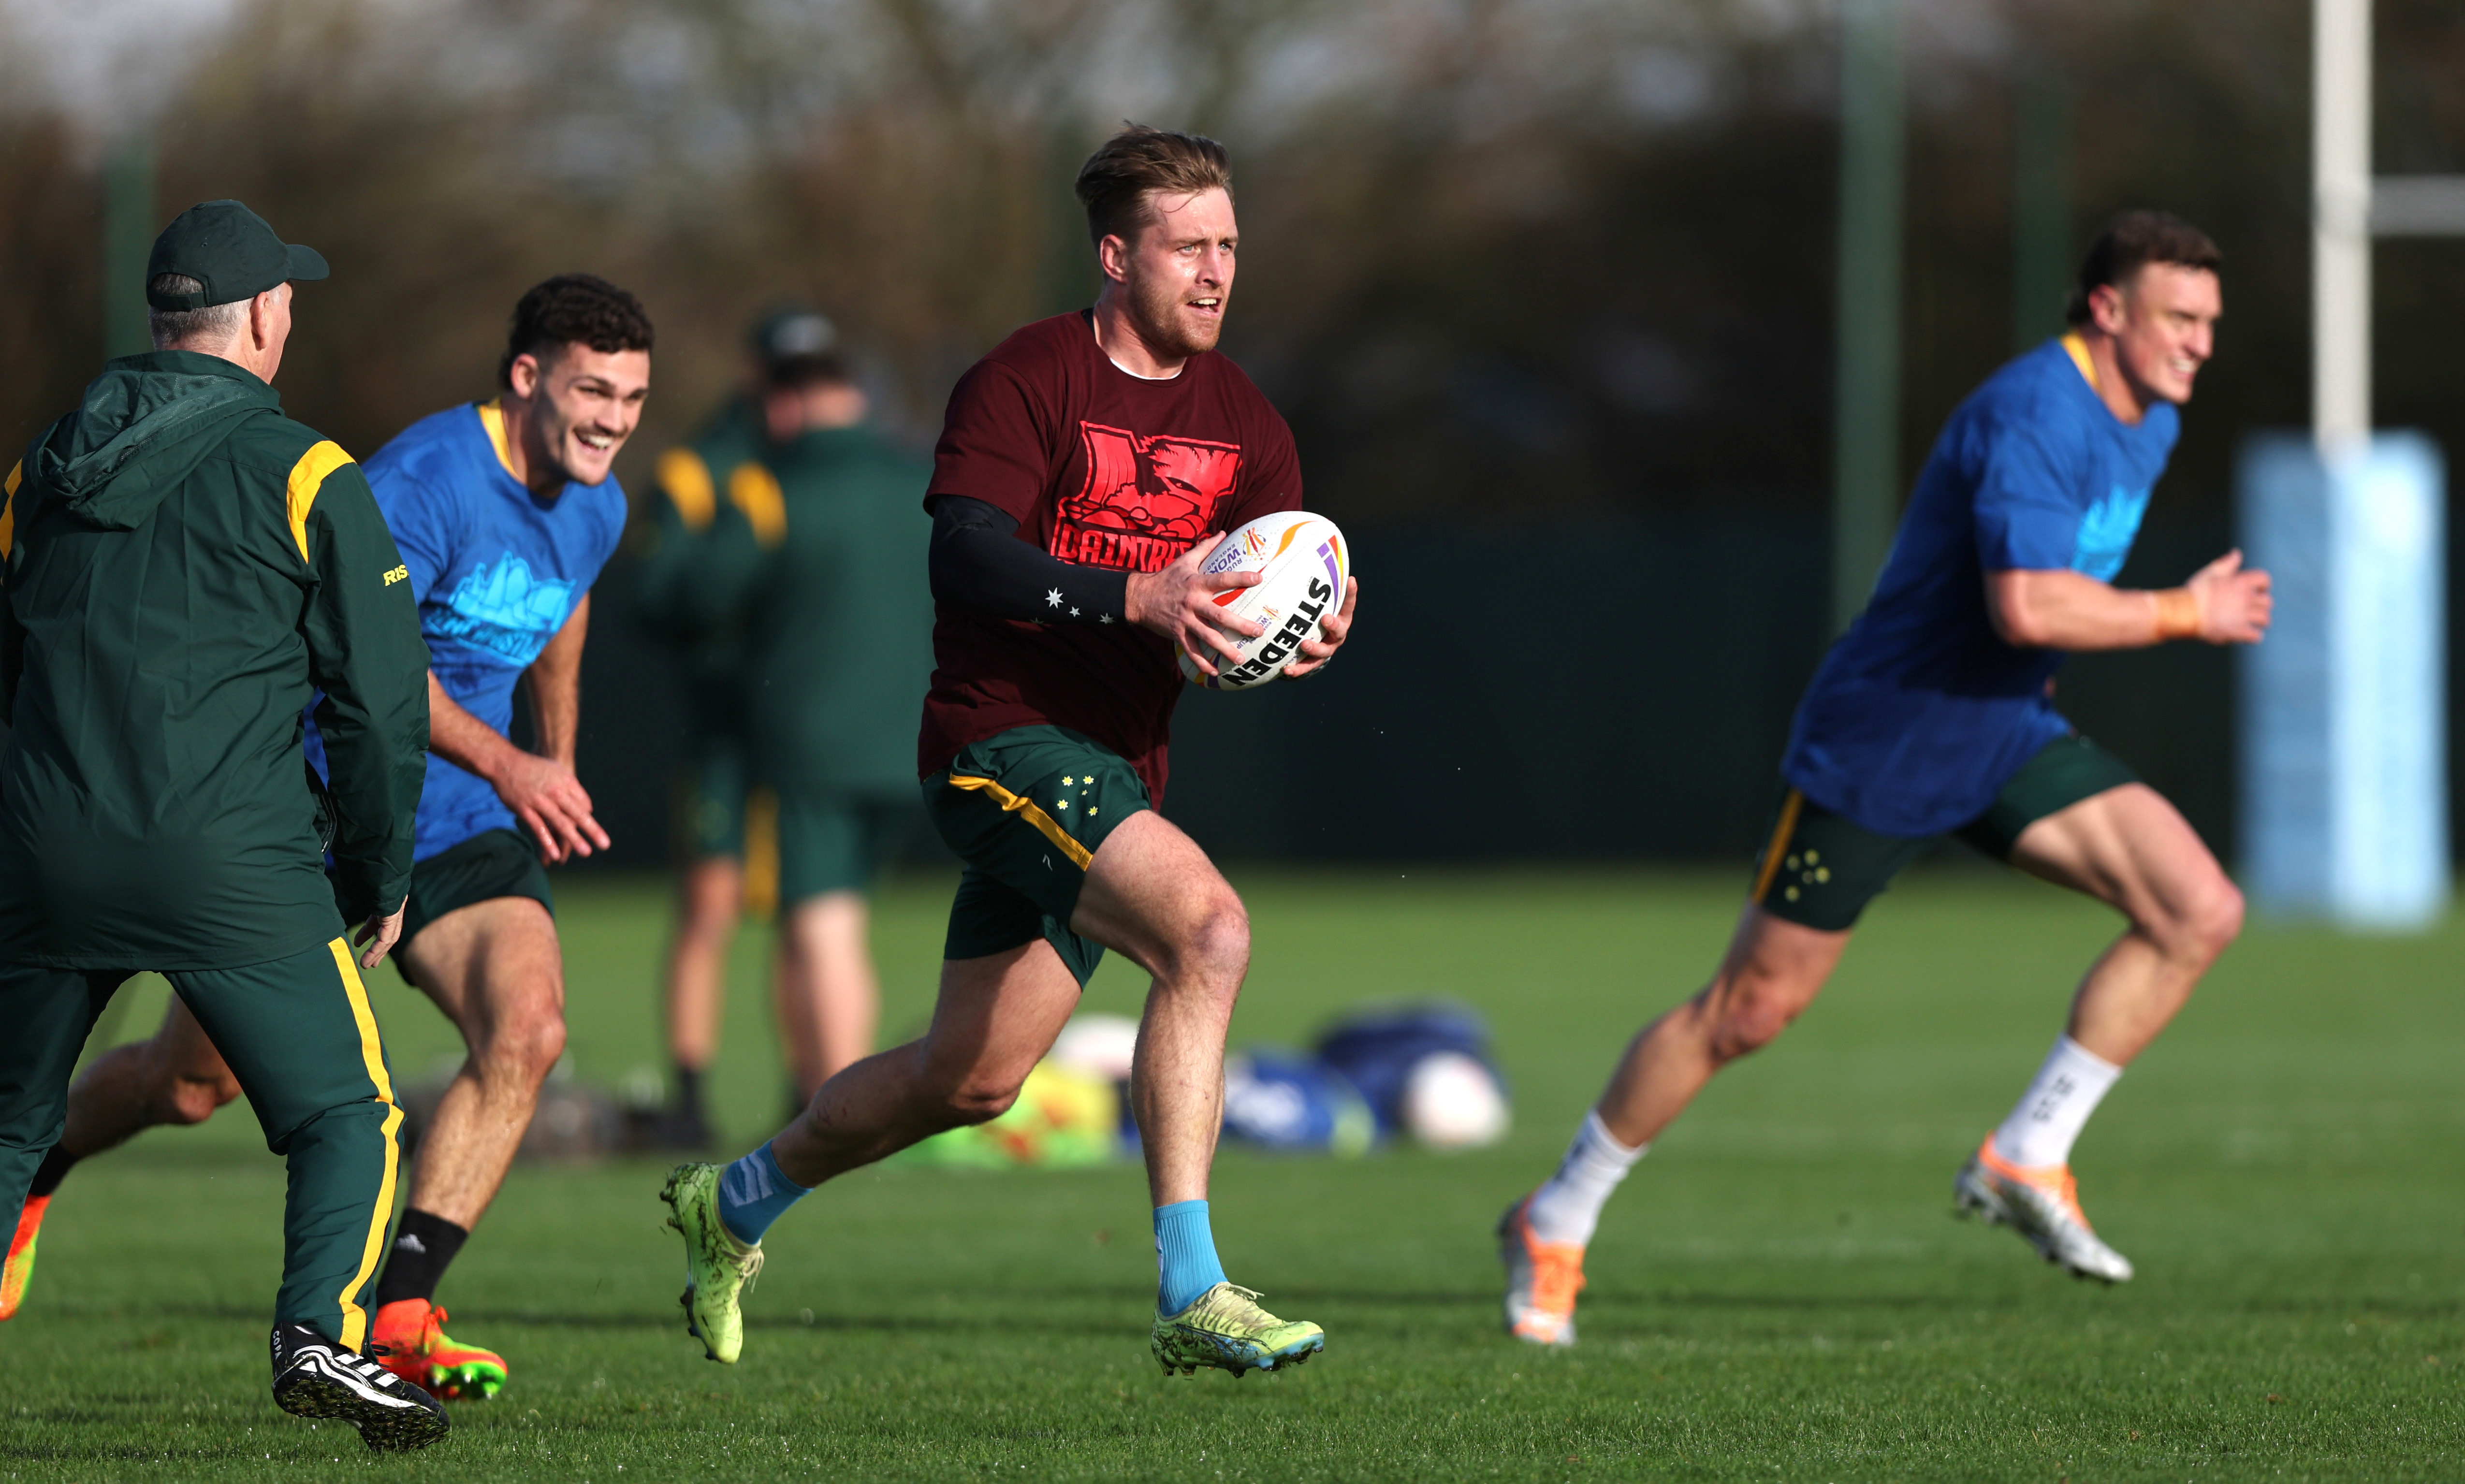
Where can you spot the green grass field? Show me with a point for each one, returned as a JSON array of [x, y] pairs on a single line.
[[1779, 1292]]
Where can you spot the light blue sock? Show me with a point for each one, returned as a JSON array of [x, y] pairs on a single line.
[[1185, 1261], [753, 1192]]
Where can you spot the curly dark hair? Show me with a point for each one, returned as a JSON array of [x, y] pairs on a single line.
[[571, 309]]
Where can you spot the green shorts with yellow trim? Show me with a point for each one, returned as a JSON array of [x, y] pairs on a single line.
[[1027, 809], [490, 864], [1820, 869]]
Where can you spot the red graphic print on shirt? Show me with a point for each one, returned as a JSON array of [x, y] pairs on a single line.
[[1147, 499]]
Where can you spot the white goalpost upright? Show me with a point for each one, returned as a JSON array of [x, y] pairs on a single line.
[[2344, 707]]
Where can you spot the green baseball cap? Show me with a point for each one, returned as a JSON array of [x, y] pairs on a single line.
[[230, 250], [793, 332]]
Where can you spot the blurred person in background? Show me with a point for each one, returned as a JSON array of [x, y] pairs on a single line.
[[503, 510], [716, 879], [1934, 714], [795, 558], [1087, 468], [186, 569]]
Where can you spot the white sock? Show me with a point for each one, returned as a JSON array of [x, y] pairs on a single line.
[[2055, 1108], [1568, 1206]]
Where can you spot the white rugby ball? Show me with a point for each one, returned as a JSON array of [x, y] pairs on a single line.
[[1452, 1102], [1305, 567]]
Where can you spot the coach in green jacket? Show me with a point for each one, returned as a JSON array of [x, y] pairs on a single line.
[[185, 568]]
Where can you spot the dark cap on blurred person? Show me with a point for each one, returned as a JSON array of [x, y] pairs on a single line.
[[230, 250], [796, 344]]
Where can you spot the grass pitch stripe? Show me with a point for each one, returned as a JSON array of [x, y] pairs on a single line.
[[355, 1318], [1788, 826], [1025, 809]]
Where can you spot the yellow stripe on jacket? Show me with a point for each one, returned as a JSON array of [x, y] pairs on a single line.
[[755, 491], [686, 479], [9, 511], [307, 477]]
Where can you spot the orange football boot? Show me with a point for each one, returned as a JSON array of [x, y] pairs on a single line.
[[1542, 1281], [21, 1268], [408, 1338]]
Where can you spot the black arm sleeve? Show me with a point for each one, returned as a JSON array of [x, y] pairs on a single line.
[[978, 562]]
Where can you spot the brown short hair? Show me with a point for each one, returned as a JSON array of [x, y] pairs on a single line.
[[573, 308], [1121, 179], [2132, 242]]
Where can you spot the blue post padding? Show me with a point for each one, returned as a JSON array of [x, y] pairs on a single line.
[[2343, 713]]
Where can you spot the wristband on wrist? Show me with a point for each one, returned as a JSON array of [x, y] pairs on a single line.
[[2178, 614]]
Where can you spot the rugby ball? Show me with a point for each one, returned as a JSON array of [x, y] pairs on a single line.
[[1304, 568], [1452, 1102]]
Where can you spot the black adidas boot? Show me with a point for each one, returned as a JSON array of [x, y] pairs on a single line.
[[314, 1377]]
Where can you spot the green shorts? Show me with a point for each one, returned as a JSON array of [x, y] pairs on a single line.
[[1027, 811], [711, 788], [490, 864], [1820, 869], [834, 842]]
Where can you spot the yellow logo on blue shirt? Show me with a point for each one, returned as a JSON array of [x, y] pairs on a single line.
[[2106, 531], [504, 609]]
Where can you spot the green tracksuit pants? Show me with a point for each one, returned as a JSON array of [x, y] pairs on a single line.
[[299, 1034]]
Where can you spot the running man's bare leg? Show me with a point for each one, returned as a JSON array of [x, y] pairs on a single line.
[[1154, 896], [1151, 895], [494, 970], [830, 998], [177, 1076], [995, 1018], [2128, 848], [1772, 972], [708, 904], [2133, 850]]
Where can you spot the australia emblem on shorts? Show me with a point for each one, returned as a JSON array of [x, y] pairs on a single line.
[[505, 608], [1146, 499]]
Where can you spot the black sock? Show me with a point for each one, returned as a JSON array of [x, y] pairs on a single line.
[[422, 1246], [688, 1098], [48, 1176]]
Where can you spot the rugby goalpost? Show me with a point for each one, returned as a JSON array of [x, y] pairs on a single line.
[[2344, 709]]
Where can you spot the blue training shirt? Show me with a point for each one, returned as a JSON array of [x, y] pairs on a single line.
[[1920, 714], [495, 570]]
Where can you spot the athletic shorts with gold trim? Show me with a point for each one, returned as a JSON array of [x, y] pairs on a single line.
[[1027, 809], [1820, 869]]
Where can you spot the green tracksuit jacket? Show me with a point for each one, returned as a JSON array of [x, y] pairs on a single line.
[[183, 567], [815, 555], [709, 646]]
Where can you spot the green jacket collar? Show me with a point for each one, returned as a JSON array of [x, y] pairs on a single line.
[[144, 425]]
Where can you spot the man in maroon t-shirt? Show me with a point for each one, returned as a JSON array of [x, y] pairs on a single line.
[[1085, 468]]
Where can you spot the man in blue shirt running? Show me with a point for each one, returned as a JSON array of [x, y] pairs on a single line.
[[503, 510], [1933, 716]]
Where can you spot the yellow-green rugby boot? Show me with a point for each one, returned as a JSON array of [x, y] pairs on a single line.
[[1224, 1327], [718, 1266]]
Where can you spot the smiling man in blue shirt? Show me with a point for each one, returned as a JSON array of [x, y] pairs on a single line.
[[1934, 714]]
